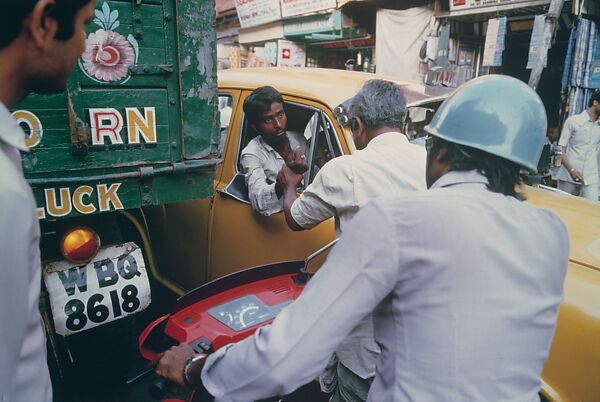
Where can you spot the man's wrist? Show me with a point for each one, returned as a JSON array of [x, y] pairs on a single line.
[[192, 370]]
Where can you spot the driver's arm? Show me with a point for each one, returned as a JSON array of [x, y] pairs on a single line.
[[263, 195]]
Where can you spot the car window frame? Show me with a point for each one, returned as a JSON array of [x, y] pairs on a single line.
[[231, 95], [329, 129]]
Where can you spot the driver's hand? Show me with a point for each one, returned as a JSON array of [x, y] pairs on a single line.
[[169, 364], [287, 177], [297, 161]]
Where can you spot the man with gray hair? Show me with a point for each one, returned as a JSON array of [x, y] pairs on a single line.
[[386, 164]]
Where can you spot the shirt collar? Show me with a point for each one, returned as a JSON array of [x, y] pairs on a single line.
[[10, 131], [454, 177], [388, 138], [587, 117], [265, 145], [293, 144]]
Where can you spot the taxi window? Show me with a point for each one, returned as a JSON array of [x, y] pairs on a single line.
[[324, 144], [225, 112], [313, 124]]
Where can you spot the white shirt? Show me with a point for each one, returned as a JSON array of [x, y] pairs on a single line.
[[581, 137], [464, 284], [389, 165], [23, 369], [261, 163]]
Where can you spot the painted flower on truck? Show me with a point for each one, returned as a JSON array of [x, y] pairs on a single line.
[[108, 54]]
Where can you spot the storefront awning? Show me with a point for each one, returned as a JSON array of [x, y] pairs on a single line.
[[261, 33], [321, 27]]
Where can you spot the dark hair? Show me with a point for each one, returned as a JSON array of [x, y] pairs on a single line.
[[503, 175], [14, 13], [260, 101], [379, 103], [595, 97]]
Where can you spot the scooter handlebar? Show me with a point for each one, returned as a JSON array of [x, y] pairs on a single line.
[[159, 388]]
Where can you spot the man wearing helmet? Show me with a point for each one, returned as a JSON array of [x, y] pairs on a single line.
[[463, 279]]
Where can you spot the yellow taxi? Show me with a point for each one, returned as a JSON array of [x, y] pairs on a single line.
[[222, 234]]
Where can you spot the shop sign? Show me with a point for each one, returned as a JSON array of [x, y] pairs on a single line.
[[494, 42], [290, 54], [313, 24], [474, 4], [290, 8], [451, 76], [440, 76], [257, 12]]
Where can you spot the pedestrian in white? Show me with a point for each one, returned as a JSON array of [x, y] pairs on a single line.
[[386, 164], [464, 279], [40, 42], [580, 139]]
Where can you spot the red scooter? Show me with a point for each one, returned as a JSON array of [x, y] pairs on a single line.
[[225, 311]]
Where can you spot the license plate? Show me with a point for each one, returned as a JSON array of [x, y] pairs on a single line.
[[112, 286]]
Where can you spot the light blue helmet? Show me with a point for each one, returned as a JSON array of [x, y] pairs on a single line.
[[496, 114]]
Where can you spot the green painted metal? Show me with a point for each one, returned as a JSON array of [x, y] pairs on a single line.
[[153, 69], [197, 57]]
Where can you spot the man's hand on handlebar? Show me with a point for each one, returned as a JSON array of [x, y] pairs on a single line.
[[170, 364]]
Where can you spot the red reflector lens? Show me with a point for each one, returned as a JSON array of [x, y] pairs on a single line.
[[80, 245]]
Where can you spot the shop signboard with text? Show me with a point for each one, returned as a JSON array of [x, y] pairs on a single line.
[[313, 24], [290, 8], [290, 54], [257, 12], [475, 4]]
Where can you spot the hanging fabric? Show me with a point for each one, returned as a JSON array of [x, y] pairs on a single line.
[[582, 65]]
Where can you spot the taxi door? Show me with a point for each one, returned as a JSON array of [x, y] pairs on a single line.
[[241, 238]]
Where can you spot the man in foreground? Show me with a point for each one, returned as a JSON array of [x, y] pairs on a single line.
[[464, 279], [40, 41], [271, 149], [386, 164]]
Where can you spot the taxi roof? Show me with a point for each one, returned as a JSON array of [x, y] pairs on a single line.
[[328, 86], [582, 218]]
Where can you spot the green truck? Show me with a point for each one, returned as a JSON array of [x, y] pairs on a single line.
[[136, 128]]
